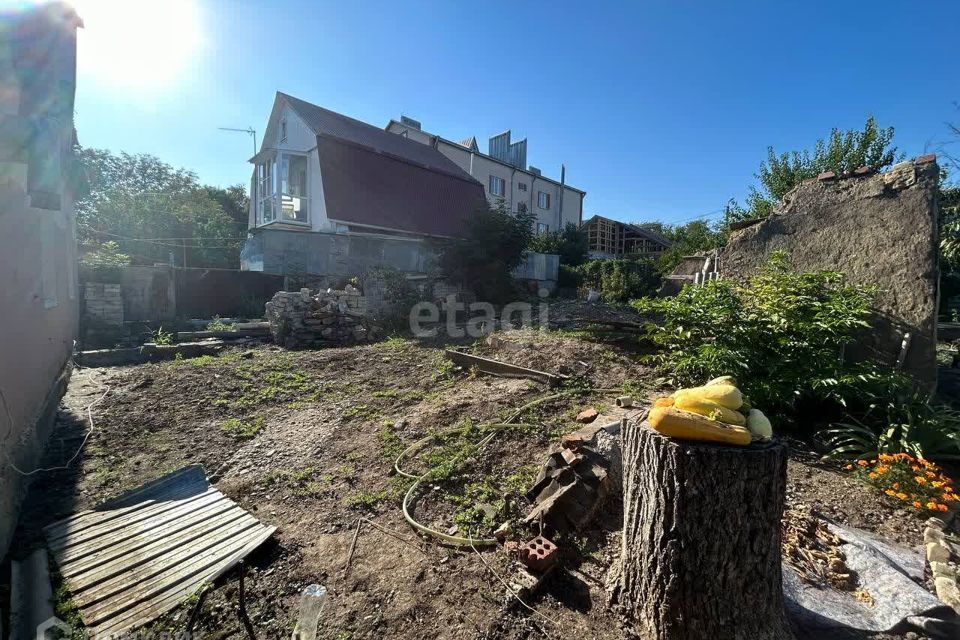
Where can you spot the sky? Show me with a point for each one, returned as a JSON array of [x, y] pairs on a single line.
[[659, 110]]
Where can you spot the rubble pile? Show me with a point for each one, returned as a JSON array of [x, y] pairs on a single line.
[[327, 318]]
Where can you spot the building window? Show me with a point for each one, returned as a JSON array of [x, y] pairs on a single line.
[[522, 186], [543, 200], [283, 130], [498, 186], [282, 189], [543, 228]]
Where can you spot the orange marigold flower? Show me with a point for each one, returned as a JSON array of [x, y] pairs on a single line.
[[873, 462], [916, 505], [932, 506], [872, 475], [896, 485], [862, 463], [920, 480], [902, 496], [931, 474], [936, 484], [848, 467], [890, 492], [941, 507]]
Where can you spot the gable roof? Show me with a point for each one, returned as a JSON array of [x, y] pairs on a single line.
[[378, 179], [331, 123]]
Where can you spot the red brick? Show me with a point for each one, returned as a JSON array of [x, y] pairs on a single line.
[[826, 175], [863, 171], [930, 157], [539, 554], [587, 415]]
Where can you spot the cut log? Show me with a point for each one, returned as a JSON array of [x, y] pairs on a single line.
[[701, 538]]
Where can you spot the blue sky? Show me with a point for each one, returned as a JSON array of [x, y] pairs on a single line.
[[659, 110]]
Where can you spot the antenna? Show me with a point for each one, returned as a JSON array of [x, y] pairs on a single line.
[[249, 131]]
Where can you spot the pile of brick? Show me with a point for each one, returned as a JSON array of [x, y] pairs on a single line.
[[327, 318], [103, 304]]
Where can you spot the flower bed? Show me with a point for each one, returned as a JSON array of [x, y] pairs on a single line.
[[919, 483]]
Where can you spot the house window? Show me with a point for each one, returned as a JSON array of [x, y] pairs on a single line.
[[522, 186], [283, 130], [543, 200], [498, 186], [282, 189], [542, 228]]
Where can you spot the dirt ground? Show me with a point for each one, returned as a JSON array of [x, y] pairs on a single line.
[[306, 441]]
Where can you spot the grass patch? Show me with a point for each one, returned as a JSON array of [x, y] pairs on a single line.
[[362, 411], [395, 343], [366, 499], [484, 504], [390, 441], [303, 483], [242, 429]]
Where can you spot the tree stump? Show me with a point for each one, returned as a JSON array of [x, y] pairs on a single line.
[[701, 538]]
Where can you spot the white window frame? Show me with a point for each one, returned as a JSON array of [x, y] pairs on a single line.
[[543, 227], [270, 181], [497, 180], [543, 197]]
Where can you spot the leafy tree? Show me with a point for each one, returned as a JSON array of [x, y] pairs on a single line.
[[570, 243], [494, 245], [106, 255], [152, 210], [689, 239], [620, 280], [842, 152]]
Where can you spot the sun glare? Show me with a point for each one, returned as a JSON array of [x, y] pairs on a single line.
[[138, 45]]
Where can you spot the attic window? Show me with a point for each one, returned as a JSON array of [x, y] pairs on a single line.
[[283, 130]]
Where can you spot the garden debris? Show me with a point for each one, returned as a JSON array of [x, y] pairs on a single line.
[[136, 557], [587, 415], [325, 318], [539, 554], [889, 596], [572, 483], [624, 402], [813, 552], [502, 369]]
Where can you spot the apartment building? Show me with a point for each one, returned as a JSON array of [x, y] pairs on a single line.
[[505, 175]]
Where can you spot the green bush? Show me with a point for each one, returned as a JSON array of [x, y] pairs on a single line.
[[494, 245], [782, 335], [619, 280], [570, 243]]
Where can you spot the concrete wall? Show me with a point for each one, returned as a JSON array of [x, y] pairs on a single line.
[[38, 288], [295, 253], [877, 229]]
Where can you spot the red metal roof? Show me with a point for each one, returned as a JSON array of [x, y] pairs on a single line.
[[364, 186]]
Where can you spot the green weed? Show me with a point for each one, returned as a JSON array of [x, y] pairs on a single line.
[[242, 429]]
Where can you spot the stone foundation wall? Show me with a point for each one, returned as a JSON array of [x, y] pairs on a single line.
[[326, 318], [103, 304]]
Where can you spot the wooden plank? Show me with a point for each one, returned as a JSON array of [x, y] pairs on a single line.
[[139, 555], [504, 369]]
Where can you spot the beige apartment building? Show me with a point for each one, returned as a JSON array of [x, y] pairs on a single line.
[[505, 175]]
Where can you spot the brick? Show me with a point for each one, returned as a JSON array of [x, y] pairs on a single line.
[[587, 415], [539, 554], [936, 552], [864, 171], [925, 159], [826, 175]]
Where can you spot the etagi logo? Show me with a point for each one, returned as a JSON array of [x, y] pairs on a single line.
[[482, 318]]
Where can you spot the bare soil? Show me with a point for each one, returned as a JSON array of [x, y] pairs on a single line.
[[306, 441]]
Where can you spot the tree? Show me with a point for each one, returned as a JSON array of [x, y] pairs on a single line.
[[154, 211], [494, 245], [842, 152], [692, 238], [570, 243]]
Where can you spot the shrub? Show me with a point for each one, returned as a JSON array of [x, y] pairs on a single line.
[[782, 335], [620, 280], [494, 245], [399, 296], [896, 418], [570, 244], [918, 483]]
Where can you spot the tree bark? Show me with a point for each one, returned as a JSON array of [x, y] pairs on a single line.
[[701, 538]]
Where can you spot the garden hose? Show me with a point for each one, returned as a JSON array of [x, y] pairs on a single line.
[[497, 427]]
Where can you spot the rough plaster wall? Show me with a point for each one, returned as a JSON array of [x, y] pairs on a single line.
[[879, 229]]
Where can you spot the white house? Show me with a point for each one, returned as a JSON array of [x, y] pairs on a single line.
[[504, 173]]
